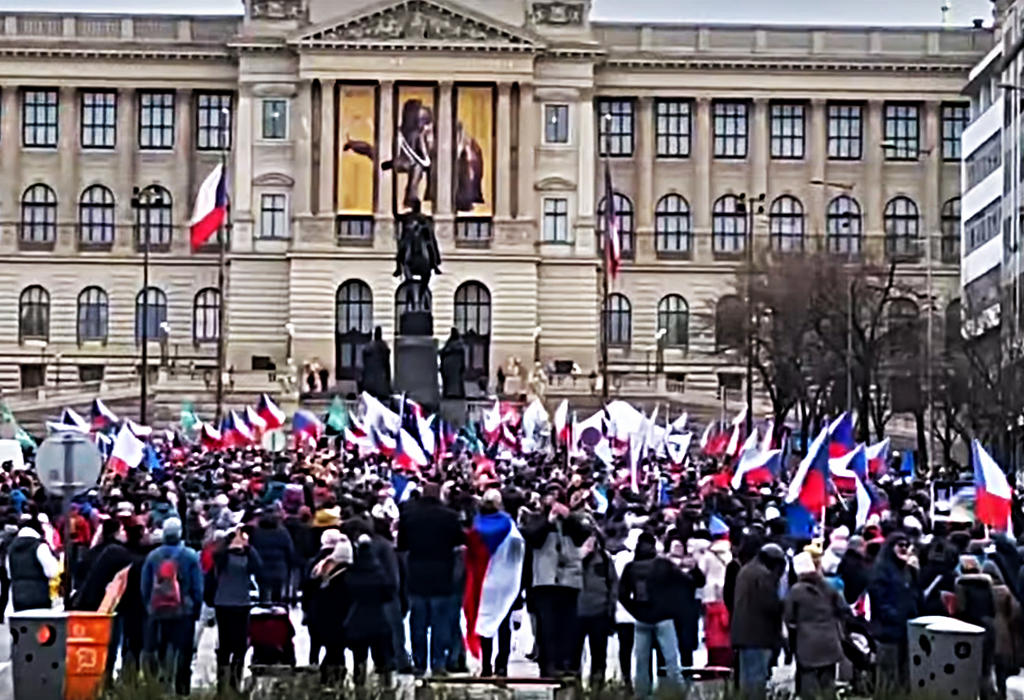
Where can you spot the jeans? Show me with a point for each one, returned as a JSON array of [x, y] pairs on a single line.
[[433, 613], [665, 634], [167, 652], [755, 670], [232, 644]]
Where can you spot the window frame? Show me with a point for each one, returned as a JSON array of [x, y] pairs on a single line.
[[835, 135], [285, 119], [164, 228], [624, 213], [844, 208], [160, 304], [727, 146], [906, 147], [740, 228], [96, 216], [612, 140], [205, 127], [41, 305], [476, 336], [664, 230], [950, 230], [900, 241], [205, 313], [666, 312], [353, 300], [558, 218], [163, 127], [786, 214], [623, 326], [285, 234], [50, 128], [554, 107], [787, 146], [92, 313], [952, 128], [681, 135], [38, 216], [89, 126]]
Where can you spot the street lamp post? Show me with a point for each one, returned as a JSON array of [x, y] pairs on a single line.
[[751, 206], [142, 201]]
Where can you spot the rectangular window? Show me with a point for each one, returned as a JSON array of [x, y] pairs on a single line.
[[983, 226], [985, 160], [845, 131], [39, 118], [556, 220], [156, 120], [672, 127], [32, 376], [556, 123], [954, 119], [787, 122], [902, 131], [273, 216], [99, 119], [275, 119], [615, 120], [213, 121], [730, 127]]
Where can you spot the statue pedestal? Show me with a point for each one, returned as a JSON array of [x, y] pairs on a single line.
[[454, 411], [416, 360]]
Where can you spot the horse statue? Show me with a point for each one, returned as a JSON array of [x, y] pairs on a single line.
[[418, 256]]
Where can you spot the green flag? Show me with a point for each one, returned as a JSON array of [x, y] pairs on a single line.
[[20, 434], [337, 416], [189, 420]]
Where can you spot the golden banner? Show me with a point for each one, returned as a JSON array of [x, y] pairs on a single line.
[[474, 152], [357, 160], [415, 149]]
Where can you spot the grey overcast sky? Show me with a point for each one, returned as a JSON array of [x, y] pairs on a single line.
[[886, 12]]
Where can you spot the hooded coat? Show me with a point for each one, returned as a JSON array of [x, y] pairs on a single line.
[[813, 613], [894, 594]]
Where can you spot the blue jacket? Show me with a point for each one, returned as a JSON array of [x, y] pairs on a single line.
[[894, 596], [190, 576]]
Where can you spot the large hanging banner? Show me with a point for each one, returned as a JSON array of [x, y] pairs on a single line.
[[357, 134], [474, 151], [415, 149]]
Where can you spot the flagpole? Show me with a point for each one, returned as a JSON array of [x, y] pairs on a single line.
[[609, 202], [224, 234]]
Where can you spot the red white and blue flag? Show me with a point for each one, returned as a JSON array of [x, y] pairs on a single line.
[[757, 467], [878, 457], [234, 432], [494, 566], [210, 438], [127, 452], [612, 242], [306, 426], [270, 413], [102, 417], [256, 424], [840, 434], [211, 207], [409, 455], [993, 491], [808, 492], [562, 429]]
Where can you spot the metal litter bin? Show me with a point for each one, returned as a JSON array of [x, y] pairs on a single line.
[[945, 657]]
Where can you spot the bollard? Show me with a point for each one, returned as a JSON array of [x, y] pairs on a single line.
[[57, 655], [945, 657]]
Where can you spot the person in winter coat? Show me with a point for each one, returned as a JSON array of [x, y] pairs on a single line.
[[30, 565], [318, 624], [649, 589], [429, 532], [813, 614], [854, 570], [624, 622], [1008, 647], [109, 532], [234, 564], [715, 565], [328, 594], [595, 606], [368, 588], [687, 619], [277, 551], [757, 619], [554, 538], [894, 600], [975, 603]]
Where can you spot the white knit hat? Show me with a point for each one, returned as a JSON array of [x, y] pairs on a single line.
[[803, 563]]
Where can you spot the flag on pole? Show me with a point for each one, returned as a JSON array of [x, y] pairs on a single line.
[[993, 492], [678, 447], [270, 413], [305, 425], [808, 494], [209, 437], [679, 424], [127, 452], [878, 457], [234, 432], [256, 424], [409, 455], [562, 422], [102, 417], [705, 437], [757, 467], [211, 207], [612, 242], [841, 435], [71, 417], [337, 416]]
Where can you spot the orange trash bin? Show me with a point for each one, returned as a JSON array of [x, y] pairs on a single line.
[[88, 641]]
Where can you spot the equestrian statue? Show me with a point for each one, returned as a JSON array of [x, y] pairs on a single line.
[[418, 256]]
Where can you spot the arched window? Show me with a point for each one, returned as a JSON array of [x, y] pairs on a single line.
[[951, 231], [93, 315], [153, 208], [954, 323], [353, 319], [624, 221], [405, 300], [473, 320], [34, 314], [618, 321], [729, 323], [903, 318], [901, 228], [150, 312], [728, 225], [673, 234], [786, 225], [206, 316], [39, 215], [96, 217], [674, 319], [844, 226]]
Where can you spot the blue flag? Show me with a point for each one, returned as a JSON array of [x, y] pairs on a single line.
[[907, 464]]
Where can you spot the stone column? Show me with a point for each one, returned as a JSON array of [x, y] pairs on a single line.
[[69, 159], [645, 165], [184, 157], [328, 153], [528, 141], [703, 197], [873, 200], [760, 150], [385, 147], [242, 152], [10, 158], [127, 166], [931, 196], [503, 151], [816, 156], [302, 135], [587, 172], [445, 150]]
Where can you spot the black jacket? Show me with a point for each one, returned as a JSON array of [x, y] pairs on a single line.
[[274, 545], [757, 610], [894, 596], [113, 557], [430, 533], [855, 572], [650, 587]]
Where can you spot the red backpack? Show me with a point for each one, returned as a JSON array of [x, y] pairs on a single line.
[[165, 600]]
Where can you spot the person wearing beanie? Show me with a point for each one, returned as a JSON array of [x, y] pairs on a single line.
[[30, 566], [172, 590], [895, 596], [813, 613], [326, 604], [235, 563], [757, 618], [312, 593]]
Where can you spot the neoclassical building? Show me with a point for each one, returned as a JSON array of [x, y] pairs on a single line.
[[498, 118]]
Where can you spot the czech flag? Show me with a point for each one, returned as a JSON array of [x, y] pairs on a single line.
[[210, 438], [494, 567], [679, 424], [492, 422], [678, 448], [757, 467], [127, 452], [234, 432], [211, 207], [270, 413], [841, 436], [305, 425], [409, 455], [808, 492], [385, 443], [993, 491], [71, 417], [102, 417], [562, 422], [256, 424], [878, 457]]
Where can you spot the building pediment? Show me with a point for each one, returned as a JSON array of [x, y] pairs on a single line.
[[273, 180], [418, 25]]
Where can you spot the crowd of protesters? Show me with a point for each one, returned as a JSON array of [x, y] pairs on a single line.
[[681, 563]]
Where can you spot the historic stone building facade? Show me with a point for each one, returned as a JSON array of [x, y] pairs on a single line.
[[499, 117]]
